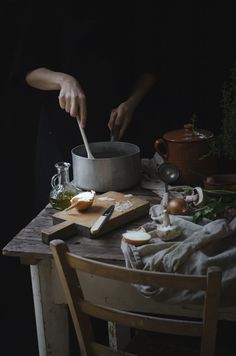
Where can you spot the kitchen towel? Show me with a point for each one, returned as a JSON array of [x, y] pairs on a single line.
[[198, 247]]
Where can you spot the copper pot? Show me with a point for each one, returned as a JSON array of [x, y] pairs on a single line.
[[188, 149]]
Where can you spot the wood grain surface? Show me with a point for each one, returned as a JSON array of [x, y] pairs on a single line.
[[85, 219], [27, 243]]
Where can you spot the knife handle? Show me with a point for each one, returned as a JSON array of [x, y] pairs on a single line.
[[98, 224]]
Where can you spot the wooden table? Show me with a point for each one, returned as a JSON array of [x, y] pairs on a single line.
[[50, 310]]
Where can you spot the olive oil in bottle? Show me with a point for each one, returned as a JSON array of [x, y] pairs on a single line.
[[62, 189]]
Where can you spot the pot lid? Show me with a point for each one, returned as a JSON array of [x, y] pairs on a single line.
[[188, 134]]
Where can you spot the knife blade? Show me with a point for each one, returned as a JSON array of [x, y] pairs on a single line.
[[101, 220]]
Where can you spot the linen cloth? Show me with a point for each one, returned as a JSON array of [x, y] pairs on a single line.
[[198, 247], [211, 243]]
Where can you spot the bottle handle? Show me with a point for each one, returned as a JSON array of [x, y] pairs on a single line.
[[53, 180]]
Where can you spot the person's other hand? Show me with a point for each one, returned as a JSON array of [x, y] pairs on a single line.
[[72, 99], [121, 117]]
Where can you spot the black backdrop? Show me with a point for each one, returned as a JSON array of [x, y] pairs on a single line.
[[209, 59], [17, 147]]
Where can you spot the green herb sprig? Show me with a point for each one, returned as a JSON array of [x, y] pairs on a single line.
[[217, 202]]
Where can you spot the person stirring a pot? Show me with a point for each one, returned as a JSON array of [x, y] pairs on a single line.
[[89, 59]]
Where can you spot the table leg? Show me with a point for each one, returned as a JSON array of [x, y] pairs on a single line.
[[51, 318]]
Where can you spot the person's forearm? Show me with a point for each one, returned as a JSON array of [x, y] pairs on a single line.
[[142, 87], [45, 79]]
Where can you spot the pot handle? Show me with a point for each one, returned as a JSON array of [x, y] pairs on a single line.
[[161, 147]]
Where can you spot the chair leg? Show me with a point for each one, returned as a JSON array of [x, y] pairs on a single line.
[[119, 336]]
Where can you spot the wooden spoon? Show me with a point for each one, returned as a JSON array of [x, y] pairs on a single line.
[[89, 153]]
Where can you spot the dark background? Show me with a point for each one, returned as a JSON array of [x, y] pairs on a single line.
[[18, 332], [211, 53]]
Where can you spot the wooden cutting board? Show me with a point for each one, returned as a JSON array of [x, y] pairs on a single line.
[[120, 216]]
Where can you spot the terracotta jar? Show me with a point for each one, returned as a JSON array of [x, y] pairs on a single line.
[[187, 149]]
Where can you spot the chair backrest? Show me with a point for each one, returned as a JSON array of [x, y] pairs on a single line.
[[81, 310]]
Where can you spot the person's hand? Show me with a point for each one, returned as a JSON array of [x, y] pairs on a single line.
[[72, 99], [121, 117]]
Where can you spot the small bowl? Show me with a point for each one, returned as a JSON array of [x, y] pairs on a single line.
[[220, 182]]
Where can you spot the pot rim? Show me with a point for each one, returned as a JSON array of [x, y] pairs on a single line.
[[201, 136], [188, 134], [99, 144]]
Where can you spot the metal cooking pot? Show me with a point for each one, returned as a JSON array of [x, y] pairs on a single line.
[[116, 166]]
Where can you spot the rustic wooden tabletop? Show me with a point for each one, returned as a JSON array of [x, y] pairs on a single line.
[[28, 245]]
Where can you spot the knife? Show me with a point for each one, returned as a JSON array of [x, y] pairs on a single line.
[[101, 220]]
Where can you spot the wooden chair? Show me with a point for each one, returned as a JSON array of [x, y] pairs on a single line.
[[82, 310]]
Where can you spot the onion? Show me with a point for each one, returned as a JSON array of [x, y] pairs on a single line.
[[82, 201], [177, 206], [136, 237]]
